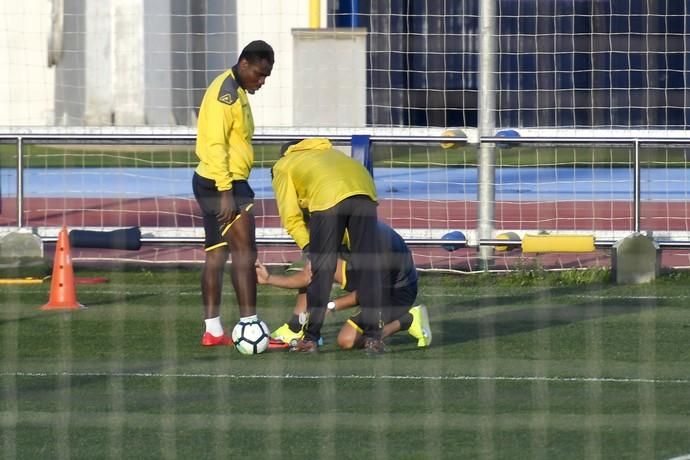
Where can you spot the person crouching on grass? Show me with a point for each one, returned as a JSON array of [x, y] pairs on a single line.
[[399, 278]]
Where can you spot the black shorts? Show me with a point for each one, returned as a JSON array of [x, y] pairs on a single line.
[[402, 299], [208, 197]]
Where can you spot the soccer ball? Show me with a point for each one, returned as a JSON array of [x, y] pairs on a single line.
[[251, 338]]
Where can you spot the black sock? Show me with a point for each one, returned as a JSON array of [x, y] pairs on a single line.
[[294, 324], [405, 321]]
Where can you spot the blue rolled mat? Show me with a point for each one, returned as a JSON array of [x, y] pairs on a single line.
[[125, 238]]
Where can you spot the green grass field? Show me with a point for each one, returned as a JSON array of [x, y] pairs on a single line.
[[536, 365], [384, 155]]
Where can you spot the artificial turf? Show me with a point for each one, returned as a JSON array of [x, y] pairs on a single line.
[[539, 367]]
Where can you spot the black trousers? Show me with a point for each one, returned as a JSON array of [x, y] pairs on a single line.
[[358, 215]]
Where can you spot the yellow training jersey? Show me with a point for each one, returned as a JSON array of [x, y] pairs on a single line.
[[224, 132], [314, 176]]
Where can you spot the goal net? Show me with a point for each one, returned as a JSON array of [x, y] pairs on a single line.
[[551, 104], [556, 69]]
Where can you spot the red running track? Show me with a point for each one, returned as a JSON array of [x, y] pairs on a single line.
[[416, 214]]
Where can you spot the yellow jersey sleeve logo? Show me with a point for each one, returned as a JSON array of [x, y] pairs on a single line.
[[228, 91], [227, 99]]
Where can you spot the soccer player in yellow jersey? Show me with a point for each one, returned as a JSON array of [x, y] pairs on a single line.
[[224, 148], [339, 194]]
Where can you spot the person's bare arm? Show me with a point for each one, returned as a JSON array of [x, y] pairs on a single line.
[[346, 301], [297, 280]]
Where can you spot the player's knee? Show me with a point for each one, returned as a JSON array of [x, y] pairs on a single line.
[[217, 258], [245, 257], [345, 342], [348, 337]]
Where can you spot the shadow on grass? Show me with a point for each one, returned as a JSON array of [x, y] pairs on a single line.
[[529, 319], [39, 314]]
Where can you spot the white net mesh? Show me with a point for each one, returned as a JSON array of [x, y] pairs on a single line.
[[565, 68], [513, 371]]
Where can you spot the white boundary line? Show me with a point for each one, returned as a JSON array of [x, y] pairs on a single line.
[[497, 378]]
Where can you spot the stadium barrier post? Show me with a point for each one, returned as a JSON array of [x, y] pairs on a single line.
[[636, 259], [361, 151]]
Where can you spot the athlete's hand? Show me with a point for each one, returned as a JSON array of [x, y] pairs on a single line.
[[307, 271], [262, 274], [228, 210]]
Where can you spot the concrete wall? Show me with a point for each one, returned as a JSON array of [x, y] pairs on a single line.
[[26, 81], [134, 62], [330, 77], [272, 21]]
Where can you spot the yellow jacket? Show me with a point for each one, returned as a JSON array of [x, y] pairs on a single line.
[[313, 175], [224, 132]]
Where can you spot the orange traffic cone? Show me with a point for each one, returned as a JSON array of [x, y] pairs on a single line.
[[63, 294]]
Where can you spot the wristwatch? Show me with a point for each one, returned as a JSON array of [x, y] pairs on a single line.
[[330, 306]]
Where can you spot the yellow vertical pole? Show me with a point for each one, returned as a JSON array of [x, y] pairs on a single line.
[[314, 14]]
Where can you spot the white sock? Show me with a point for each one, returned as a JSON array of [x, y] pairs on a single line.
[[248, 319], [214, 327]]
